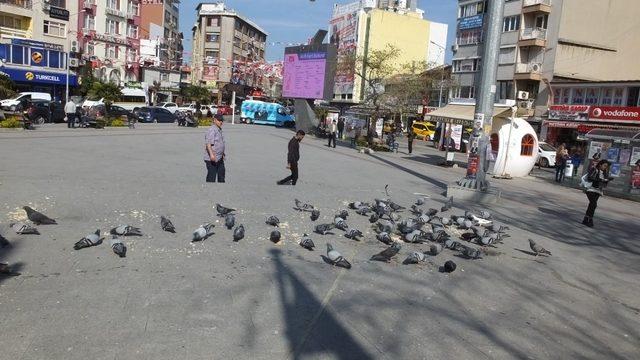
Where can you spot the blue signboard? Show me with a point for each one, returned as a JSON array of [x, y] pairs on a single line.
[[39, 77], [37, 44], [471, 22]]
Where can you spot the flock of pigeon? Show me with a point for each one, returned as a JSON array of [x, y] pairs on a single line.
[[423, 226]]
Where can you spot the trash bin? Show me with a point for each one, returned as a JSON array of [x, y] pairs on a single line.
[[568, 170]]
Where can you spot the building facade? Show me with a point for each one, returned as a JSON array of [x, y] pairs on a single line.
[[228, 48], [160, 24], [359, 27], [35, 38]]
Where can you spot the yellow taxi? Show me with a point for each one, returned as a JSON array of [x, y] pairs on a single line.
[[424, 130]]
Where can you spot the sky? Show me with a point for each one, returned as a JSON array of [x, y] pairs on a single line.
[[295, 21]]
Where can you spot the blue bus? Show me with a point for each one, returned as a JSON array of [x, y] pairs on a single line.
[[264, 113]]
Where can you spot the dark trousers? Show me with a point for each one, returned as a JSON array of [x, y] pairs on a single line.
[[215, 169], [340, 134], [593, 203], [332, 138], [71, 120], [560, 172], [294, 175], [410, 146]]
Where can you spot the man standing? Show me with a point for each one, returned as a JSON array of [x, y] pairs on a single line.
[[333, 128], [70, 111], [293, 156], [214, 154], [340, 127]]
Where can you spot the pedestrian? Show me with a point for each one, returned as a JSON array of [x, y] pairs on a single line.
[[70, 111], [562, 155], [293, 156], [340, 127], [598, 177], [576, 159], [333, 129], [214, 151]]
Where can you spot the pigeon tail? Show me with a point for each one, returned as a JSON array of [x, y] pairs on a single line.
[[343, 263]]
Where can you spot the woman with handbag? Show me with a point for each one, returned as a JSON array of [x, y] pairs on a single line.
[[595, 181]]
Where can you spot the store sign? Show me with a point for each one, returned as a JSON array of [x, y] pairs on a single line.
[[569, 112], [58, 13], [109, 38], [562, 124], [40, 77], [615, 114], [37, 44], [471, 22]]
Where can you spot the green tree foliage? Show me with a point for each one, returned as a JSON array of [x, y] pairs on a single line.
[[197, 94], [7, 87], [108, 91]]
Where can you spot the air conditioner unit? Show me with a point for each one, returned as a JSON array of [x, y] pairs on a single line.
[[523, 95], [454, 47], [525, 104], [74, 46], [536, 67], [73, 62]]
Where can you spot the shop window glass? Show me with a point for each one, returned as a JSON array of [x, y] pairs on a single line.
[[495, 142], [566, 94], [54, 59], [557, 96], [17, 54], [526, 146], [578, 96], [592, 96], [618, 94]]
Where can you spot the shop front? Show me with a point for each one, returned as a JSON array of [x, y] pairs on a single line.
[[50, 82]]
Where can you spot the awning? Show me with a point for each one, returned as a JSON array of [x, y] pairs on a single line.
[[462, 114], [614, 134]]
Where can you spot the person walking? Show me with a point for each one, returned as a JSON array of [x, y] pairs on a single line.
[[340, 127], [333, 129], [293, 156], [70, 111], [599, 179], [214, 151], [562, 155], [410, 136]]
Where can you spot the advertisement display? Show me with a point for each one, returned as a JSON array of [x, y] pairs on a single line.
[[304, 75], [344, 34], [456, 135], [635, 155], [612, 154], [635, 179], [625, 156], [471, 22], [615, 114], [569, 112], [39, 77], [615, 170], [598, 147]]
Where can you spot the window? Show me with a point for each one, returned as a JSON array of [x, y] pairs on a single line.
[[505, 90], [11, 22], [132, 55], [463, 92], [113, 4], [212, 54], [133, 8], [526, 146], [212, 37], [466, 65], [578, 96], [17, 54], [507, 55], [89, 22], [164, 77], [54, 28], [511, 23], [58, 3], [468, 37], [132, 31], [471, 9], [110, 51], [112, 27], [54, 59], [541, 21], [495, 142], [213, 21], [565, 96], [90, 49], [593, 94]]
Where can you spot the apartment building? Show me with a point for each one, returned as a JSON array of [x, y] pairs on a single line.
[[549, 42], [109, 37], [227, 47], [34, 42], [160, 24]]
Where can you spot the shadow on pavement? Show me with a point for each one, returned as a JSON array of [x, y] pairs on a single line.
[[5, 249], [412, 172]]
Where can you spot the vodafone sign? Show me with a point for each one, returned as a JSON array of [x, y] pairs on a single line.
[[615, 114]]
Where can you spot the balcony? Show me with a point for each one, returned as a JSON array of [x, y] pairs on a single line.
[[528, 71], [115, 12], [533, 37], [535, 6], [13, 33], [26, 4], [89, 6], [133, 18]]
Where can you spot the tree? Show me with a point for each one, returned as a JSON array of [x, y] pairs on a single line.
[[7, 87], [108, 91], [87, 79], [197, 93]]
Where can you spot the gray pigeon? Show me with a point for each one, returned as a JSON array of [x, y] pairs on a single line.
[[435, 249], [275, 236], [202, 232], [445, 220], [383, 227], [336, 259], [229, 221], [88, 241], [167, 225], [447, 205], [384, 237], [272, 220], [24, 229], [343, 214], [223, 211], [355, 205], [484, 214], [420, 201], [307, 243], [386, 254], [340, 223], [363, 210], [323, 229], [395, 207], [414, 257], [415, 210], [353, 234], [118, 247], [5, 269], [373, 218], [471, 253], [538, 249], [303, 206], [431, 212], [315, 214], [126, 230], [416, 237], [38, 218], [238, 233]]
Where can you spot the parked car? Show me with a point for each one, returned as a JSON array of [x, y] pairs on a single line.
[[14, 103], [37, 112], [172, 107], [154, 114], [115, 111], [424, 130], [224, 110], [546, 155]]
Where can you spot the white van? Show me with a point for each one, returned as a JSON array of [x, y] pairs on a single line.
[[11, 104]]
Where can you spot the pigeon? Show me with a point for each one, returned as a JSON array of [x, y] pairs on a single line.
[[88, 241], [38, 218], [355, 205], [238, 233], [373, 218], [336, 259], [323, 229], [307, 243], [452, 244], [126, 230], [5, 269], [449, 266], [300, 206], [24, 229], [486, 240], [431, 212], [386, 254], [395, 207], [484, 214], [363, 210], [538, 249], [445, 221], [384, 237], [447, 205], [340, 224], [499, 229], [416, 210], [414, 257], [471, 253], [223, 211], [353, 234], [315, 214], [202, 232], [423, 219], [394, 217], [383, 227], [167, 225], [275, 236], [343, 214], [435, 249], [272, 220], [118, 247], [420, 201], [416, 237], [408, 225], [229, 221], [3, 241]]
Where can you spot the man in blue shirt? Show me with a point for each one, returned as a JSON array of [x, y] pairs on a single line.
[[214, 151]]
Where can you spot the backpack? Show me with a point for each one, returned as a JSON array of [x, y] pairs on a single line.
[[585, 181]]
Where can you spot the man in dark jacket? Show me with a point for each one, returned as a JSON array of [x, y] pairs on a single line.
[[293, 156], [340, 127]]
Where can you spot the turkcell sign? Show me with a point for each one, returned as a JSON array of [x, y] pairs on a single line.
[[471, 22], [37, 44], [41, 77]]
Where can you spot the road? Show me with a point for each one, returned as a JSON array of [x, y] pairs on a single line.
[[217, 299]]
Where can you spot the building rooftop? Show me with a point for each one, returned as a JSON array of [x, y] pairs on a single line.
[[218, 8]]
